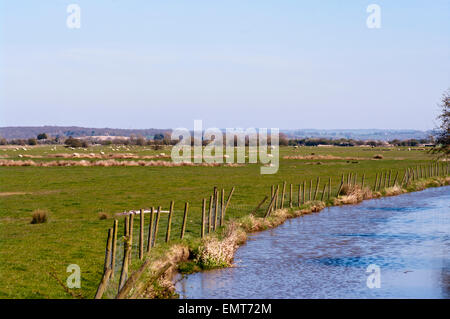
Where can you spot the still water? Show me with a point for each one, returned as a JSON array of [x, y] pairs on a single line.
[[326, 255]]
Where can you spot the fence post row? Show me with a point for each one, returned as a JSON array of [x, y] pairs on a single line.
[[214, 217]]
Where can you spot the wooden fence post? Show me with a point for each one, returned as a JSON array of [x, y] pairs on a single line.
[[102, 287], [310, 189], [259, 205], [222, 206], [299, 194], [107, 267], [203, 218], [376, 180], [395, 179], [150, 229], [304, 192], [211, 198], [389, 180], [114, 246], [276, 194], [141, 235], [317, 188], [272, 203], [323, 192], [158, 216], [272, 192], [329, 187], [169, 222], [126, 227], [131, 238], [340, 186], [126, 249], [381, 180], [403, 179], [228, 202], [363, 181], [290, 196], [282, 195], [186, 208], [108, 250], [380, 184], [216, 209]]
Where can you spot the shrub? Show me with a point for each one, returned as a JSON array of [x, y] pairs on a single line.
[[31, 141], [378, 156], [140, 141], [39, 216], [74, 142], [42, 136]]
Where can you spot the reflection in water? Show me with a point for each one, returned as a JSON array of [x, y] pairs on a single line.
[[326, 255]]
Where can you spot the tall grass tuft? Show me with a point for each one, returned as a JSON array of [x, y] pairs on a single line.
[[39, 216], [102, 216]]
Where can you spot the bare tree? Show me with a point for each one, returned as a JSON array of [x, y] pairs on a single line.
[[442, 147]]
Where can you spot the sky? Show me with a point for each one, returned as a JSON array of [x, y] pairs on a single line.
[[235, 63]]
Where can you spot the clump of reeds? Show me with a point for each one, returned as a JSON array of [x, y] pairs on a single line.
[[215, 253], [39, 216], [394, 190], [352, 194]]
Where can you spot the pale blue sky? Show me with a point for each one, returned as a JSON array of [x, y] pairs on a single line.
[[286, 64]]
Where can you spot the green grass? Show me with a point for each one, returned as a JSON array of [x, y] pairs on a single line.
[[74, 196]]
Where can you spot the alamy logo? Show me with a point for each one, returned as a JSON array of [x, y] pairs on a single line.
[[374, 279], [74, 279], [374, 19], [74, 19], [209, 146]]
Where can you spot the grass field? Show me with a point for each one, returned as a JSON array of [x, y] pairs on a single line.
[[74, 197]]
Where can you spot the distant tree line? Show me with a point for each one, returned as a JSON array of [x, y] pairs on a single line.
[[159, 140], [352, 142]]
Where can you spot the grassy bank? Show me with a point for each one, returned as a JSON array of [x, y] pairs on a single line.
[[217, 249], [31, 255]]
